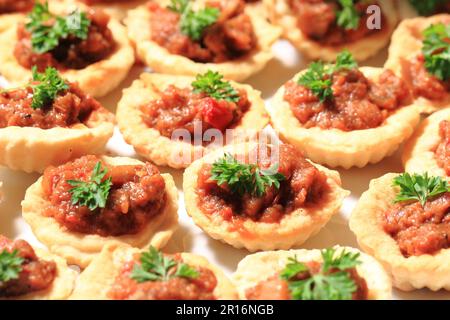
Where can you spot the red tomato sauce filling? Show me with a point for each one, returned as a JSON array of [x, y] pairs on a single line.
[[230, 38], [423, 83], [420, 230], [304, 186], [181, 108], [358, 103], [72, 52], [317, 20], [9, 6], [69, 108], [36, 274], [137, 195], [443, 149], [275, 288], [199, 288]]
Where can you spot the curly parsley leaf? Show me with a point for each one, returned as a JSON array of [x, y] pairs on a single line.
[[46, 86], [418, 187], [10, 265], [155, 266], [324, 285], [347, 16], [436, 50], [345, 260], [245, 178], [426, 7], [47, 29], [212, 84], [293, 268], [178, 6], [94, 193], [193, 24], [317, 77]]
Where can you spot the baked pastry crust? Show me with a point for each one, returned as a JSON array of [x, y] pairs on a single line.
[[33, 149], [281, 14], [292, 230], [80, 249], [95, 282], [419, 152], [116, 10], [415, 272], [334, 147], [161, 60], [258, 266], [406, 44], [97, 79], [61, 287], [162, 150]]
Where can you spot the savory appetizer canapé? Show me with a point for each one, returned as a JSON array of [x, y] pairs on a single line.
[[403, 221], [339, 273], [429, 148], [260, 197], [50, 121], [420, 54], [79, 207], [343, 115], [29, 273], [321, 29], [84, 45], [124, 273], [191, 37], [171, 120]]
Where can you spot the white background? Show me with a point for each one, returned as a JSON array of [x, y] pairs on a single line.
[[189, 237]]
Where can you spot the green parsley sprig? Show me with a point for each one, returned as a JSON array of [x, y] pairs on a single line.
[[155, 266], [426, 7], [94, 193], [212, 84], [46, 86], [436, 50], [347, 16], [245, 178], [418, 187], [317, 77], [48, 29], [10, 265], [324, 285], [193, 23]]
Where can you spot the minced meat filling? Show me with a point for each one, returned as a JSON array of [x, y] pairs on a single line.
[[443, 149], [359, 103], [9, 6], [35, 274], [422, 83], [176, 288], [72, 52], [231, 37], [69, 108], [317, 20], [304, 185], [275, 288], [181, 108], [137, 195], [420, 230]]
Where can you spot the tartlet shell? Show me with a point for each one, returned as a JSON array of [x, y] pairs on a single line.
[[335, 147], [96, 280], [294, 229], [162, 150], [80, 249]]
